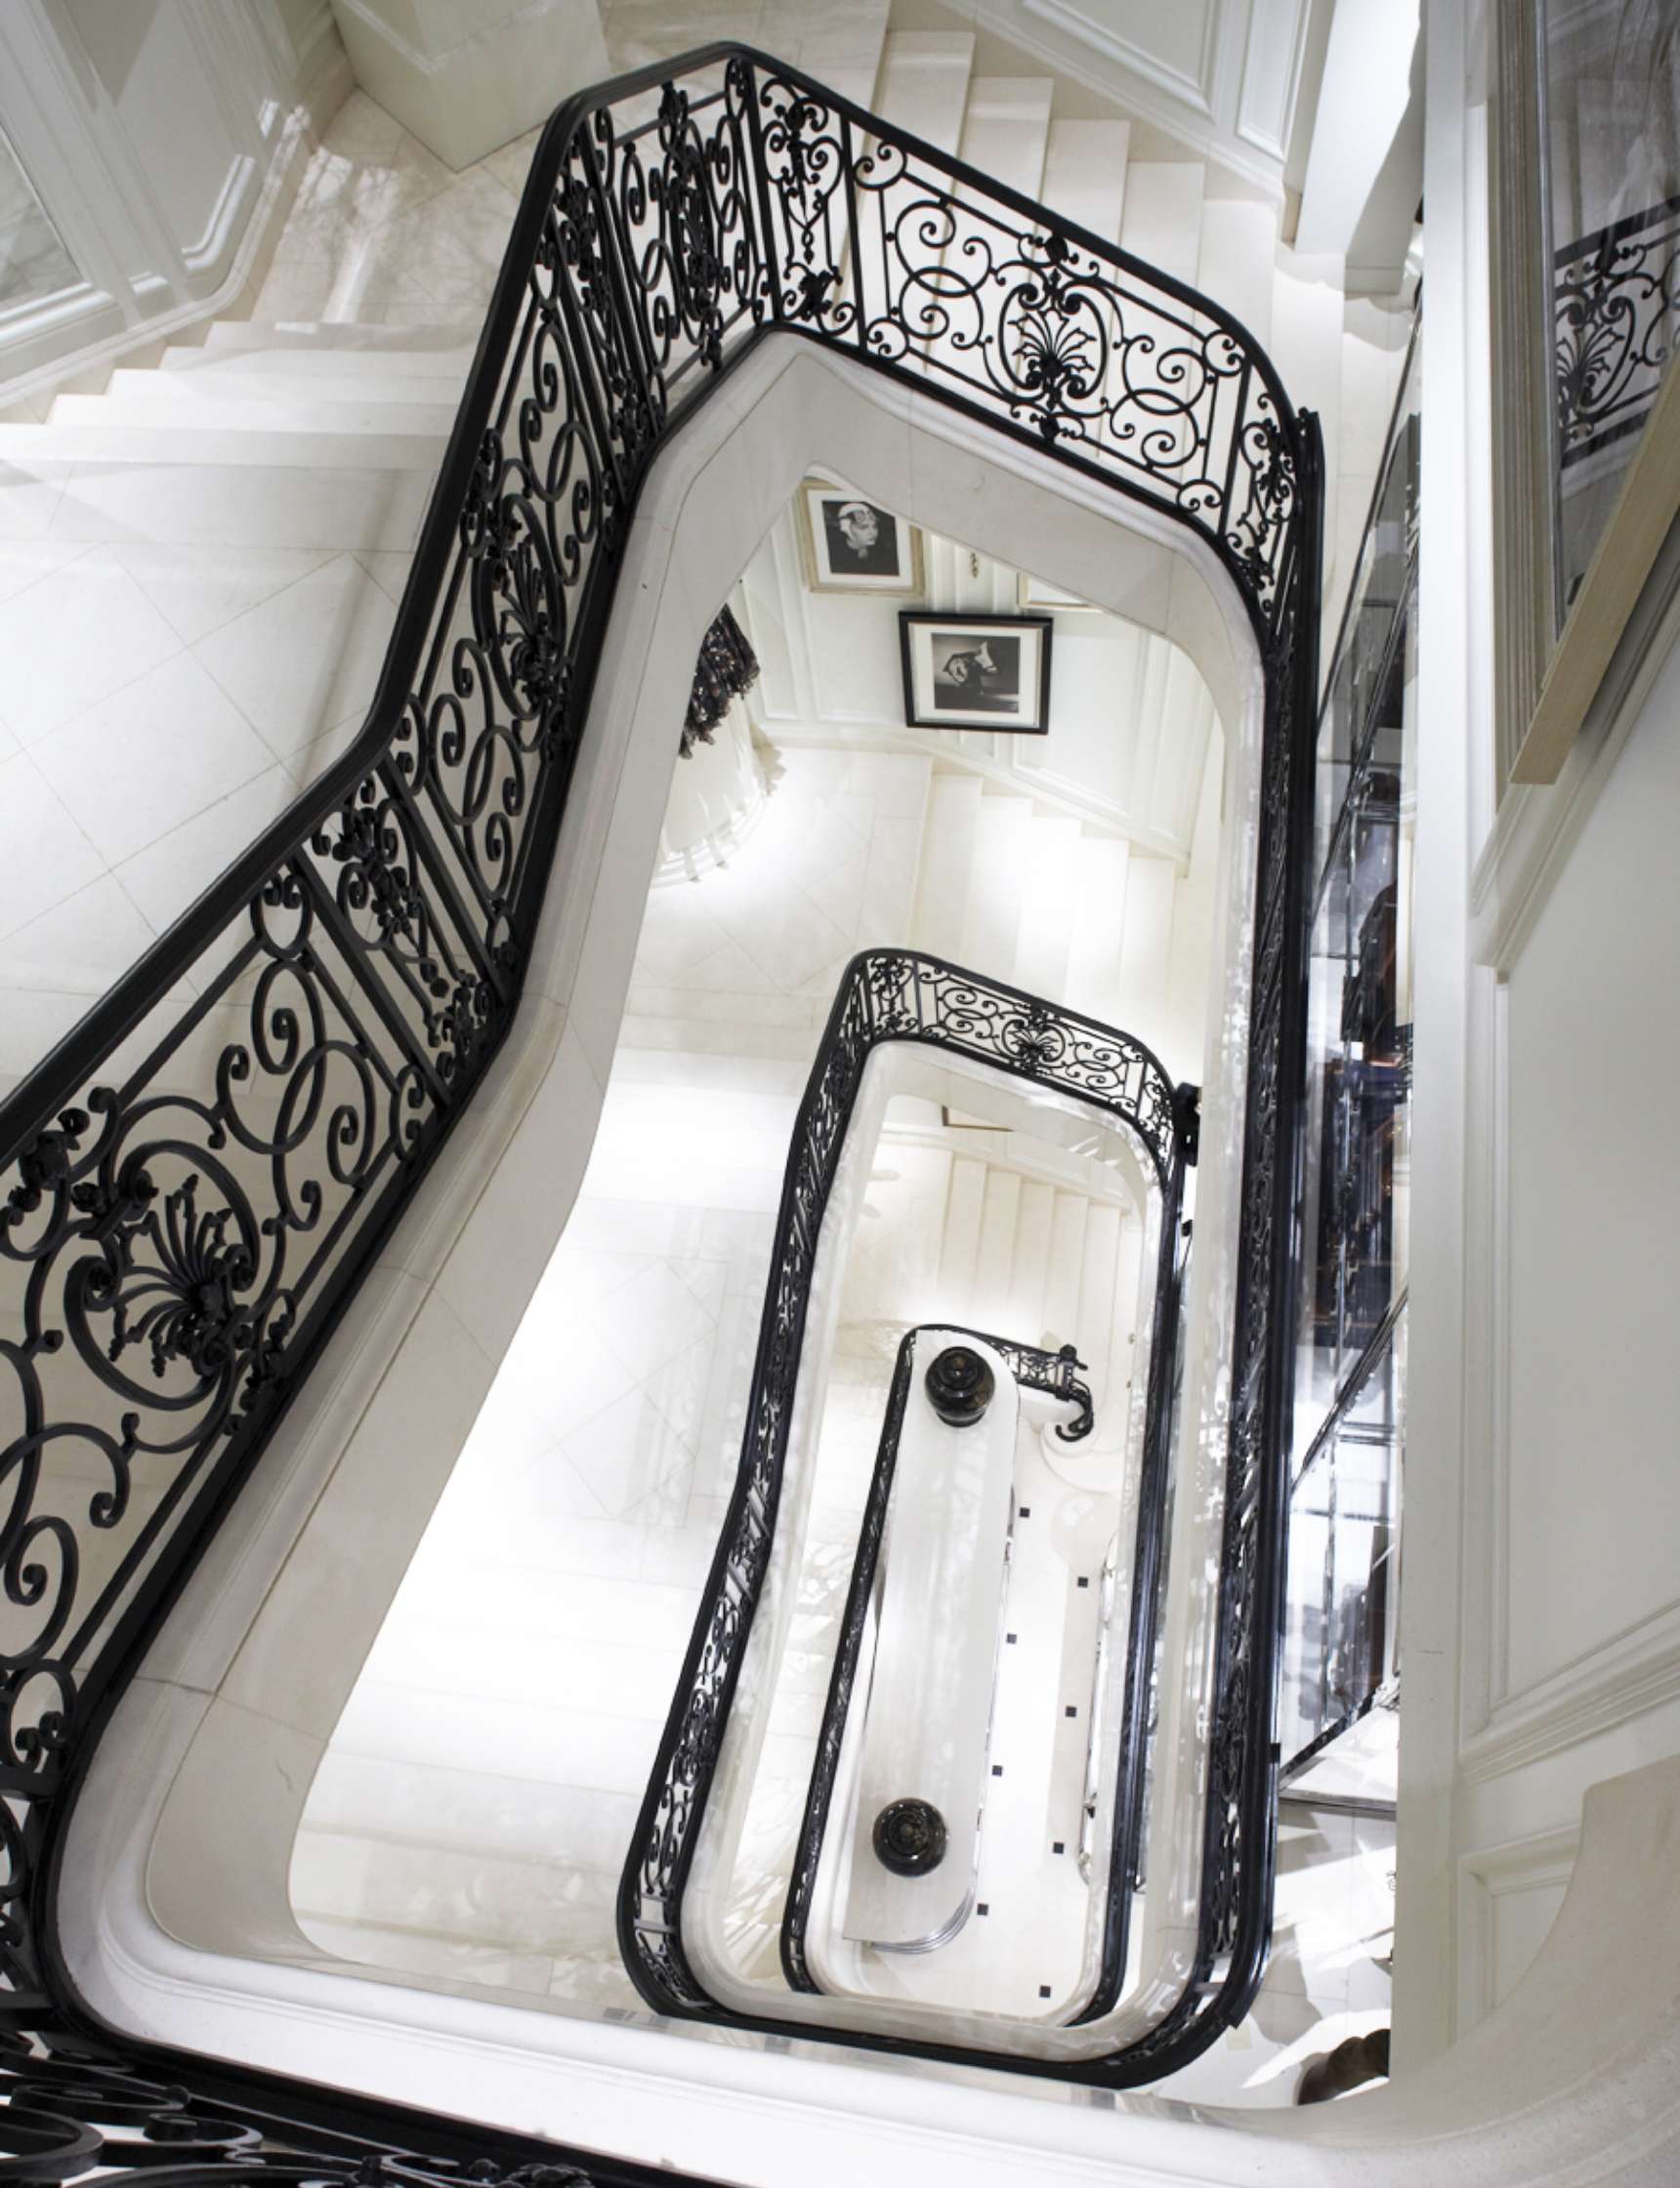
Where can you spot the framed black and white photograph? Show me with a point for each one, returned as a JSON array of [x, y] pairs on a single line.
[[851, 545], [976, 672]]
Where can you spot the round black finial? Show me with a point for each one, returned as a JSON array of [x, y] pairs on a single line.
[[959, 1385], [910, 1837]]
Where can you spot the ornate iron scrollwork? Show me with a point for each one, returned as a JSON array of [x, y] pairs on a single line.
[[196, 1181], [726, 668]]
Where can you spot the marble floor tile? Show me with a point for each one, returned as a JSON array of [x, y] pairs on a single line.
[[152, 756], [199, 589], [307, 658], [44, 856], [627, 1452], [73, 638], [168, 875], [81, 946], [648, 1322]]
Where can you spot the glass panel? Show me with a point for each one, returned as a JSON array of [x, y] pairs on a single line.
[[1359, 1044], [1341, 1644], [35, 264], [1611, 118], [1365, 645]]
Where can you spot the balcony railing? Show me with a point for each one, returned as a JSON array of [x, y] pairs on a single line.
[[196, 1181]]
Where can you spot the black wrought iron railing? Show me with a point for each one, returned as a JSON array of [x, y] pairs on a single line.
[[194, 1181], [1616, 312], [897, 996], [726, 668]]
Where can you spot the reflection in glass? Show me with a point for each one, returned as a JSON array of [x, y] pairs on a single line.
[[35, 264], [1341, 1649], [1341, 1652], [1610, 117]]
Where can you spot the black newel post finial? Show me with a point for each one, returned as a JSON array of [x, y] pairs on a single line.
[[910, 1837], [960, 1386]]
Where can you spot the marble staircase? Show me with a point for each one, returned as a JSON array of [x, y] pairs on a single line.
[[1058, 909], [1340, 358]]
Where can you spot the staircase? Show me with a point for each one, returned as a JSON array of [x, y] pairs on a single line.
[[1185, 216], [1065, 912], [997, 1232]]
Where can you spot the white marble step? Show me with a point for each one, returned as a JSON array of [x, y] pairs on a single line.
[[1145, 947], [1064, 1267], [160, 401], [1306, 348], [1029, 1269], [353, 503], [1086, 174], [1237, 259], [1094, 1318], [997, 877], [923, 85], [446, 341], [1048, 908], [948, 859], [269, 376], [224, 448], [994, 1261], [1098, 925], [1163, 219], [959, 1247], [1006, 128]]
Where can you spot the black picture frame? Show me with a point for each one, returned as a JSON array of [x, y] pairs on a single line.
[[976, 671]]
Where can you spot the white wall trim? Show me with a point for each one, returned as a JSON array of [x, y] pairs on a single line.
[[1538, 825], [1195, 88], [1485, 1876], [1634, 1672]]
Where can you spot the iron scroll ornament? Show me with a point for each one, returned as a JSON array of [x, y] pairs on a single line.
[[196, 1180]]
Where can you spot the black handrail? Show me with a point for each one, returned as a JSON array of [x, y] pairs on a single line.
[[1034, 1369], [893, 997], [192, 1191]]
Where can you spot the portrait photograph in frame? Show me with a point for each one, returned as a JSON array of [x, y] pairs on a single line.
[[976, 672], [851, 544]]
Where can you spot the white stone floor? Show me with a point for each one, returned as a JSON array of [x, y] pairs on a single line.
[[542, 1625]]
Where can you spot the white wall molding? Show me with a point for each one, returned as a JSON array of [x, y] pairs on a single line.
[[1632, 1673], [1537, 825], [1230, 106], [1488, 1877], [466, 87], [1194, 87]]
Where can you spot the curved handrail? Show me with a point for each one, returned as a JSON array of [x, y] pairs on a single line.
[[888, 996], [191, 1191]]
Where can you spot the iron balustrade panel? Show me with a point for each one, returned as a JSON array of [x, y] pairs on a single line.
[[924, 266], [196, 1181], [726, 668], [1052, 1374], [894, 996]]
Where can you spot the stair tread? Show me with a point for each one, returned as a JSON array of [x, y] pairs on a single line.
[[1048, 908], [992, 921], [144, 408], [948, 859], [1098, 923], [1236, 260], [924, 84], [271, 376], [1163, 220], [188, 444], [1086, 174], [1006, 129], [344, 337]]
